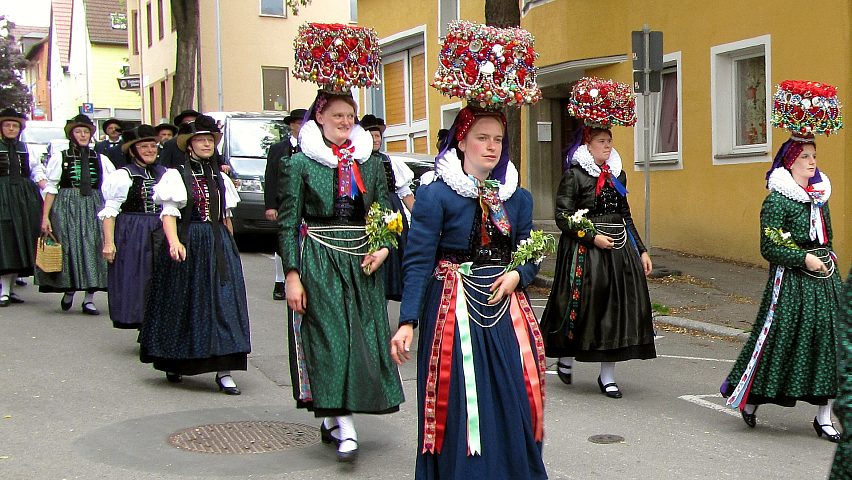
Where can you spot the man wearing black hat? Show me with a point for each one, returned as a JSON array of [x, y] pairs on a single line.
[[111, 146], [278, 154], [170, 155]]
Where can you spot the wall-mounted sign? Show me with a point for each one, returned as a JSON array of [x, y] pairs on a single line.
[[129, 83]]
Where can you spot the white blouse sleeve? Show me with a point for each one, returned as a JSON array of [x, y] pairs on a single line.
[[53, 172], [114, 190], [403, 176], [106, 166], [170, 192], [232, 197], [37, 171]]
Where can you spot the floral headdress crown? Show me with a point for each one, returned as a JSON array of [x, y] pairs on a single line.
[[603, 103], [806, 108], [490, 67], [337, 57]]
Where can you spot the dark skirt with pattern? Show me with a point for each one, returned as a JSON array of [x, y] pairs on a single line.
[[509, 450], [76, 226], [799, 359], [194, 321], [20, 224], [392, 268], [344, 333], [130, 273], [613, 322]]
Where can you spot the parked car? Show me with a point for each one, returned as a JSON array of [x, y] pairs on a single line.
[[246, 138], [42, 137], [419, 163]]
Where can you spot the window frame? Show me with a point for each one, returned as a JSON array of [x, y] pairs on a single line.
[[667, 160], [443, 27], [411, 129], [272, 15], [161, 30], [149, 16], [286, 72], [134, 34], [723, 101]]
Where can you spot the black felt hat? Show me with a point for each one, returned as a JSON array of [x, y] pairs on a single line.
[[295, 115], [186, 113], [371, 122], [166, 126], [139, 134], [13, 115], [79, 121], [113, 121], [203, 124]]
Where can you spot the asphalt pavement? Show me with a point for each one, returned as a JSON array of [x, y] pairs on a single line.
[[78, 404]]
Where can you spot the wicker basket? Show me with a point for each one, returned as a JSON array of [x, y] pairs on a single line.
[[48, 255]]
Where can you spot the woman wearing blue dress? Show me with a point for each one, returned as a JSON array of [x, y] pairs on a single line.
[[480, 409]]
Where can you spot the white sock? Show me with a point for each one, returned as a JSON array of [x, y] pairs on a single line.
[[608, 375], [824, 418], [279, 269], [749, 409], [331, 422], [565, 364], [347, 432], [225, 379], [89, 297], [6, 282]]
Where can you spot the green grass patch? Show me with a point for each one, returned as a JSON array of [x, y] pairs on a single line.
[[661, 309]]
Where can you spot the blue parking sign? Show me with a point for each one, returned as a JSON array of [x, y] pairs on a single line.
[[87, 108]]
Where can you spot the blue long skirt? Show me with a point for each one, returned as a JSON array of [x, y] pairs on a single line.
[[195, 321], [509, 449], [130, 272]]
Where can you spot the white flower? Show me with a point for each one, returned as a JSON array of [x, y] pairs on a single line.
[[785, 235], [389, 218]]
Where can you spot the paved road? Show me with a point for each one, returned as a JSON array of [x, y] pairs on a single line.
[[77, 403]]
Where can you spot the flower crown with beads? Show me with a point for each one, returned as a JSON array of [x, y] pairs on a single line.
[[489, 67], [603, 103], [806, 108], [337, 57]]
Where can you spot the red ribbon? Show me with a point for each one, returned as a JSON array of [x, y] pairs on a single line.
[[347, 169], [603, 179], [810, 189]]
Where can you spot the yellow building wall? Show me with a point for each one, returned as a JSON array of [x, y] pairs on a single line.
[[107, 61]]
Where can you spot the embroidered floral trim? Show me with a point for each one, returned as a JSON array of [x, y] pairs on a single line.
[[584, 158], [781, 181], [313, 145], [449, 168]]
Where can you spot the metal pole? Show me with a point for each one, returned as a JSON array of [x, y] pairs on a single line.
[[646, 131], [221, 94]]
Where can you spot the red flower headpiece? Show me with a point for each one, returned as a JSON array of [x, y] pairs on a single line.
[[603, 103], [490, 67], [467, 117], [337, 57], [805, 107]]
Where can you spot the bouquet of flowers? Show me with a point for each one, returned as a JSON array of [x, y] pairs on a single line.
[[532, 249], [779, 237], [578, 221], [383, 227]]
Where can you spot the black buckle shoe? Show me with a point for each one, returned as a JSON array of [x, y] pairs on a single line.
[[66, 305], [20, 282], [326, 435], [278, 291], [174, 377], [89, 309], [750, 419], [227, 390], [349, 456], [613, 394], [564, 373], [14, 298], [818, 428]]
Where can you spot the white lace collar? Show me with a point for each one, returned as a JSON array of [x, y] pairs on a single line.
[[584, 158], [781, 181], [449, 168], [313, 145]]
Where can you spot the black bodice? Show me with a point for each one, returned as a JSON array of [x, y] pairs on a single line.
[[609, 201], [498, 251], [72, 168], [8, 148], [348, 209], [389, 175], [140, 196]]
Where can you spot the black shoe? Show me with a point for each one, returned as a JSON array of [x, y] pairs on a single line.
[[4, 301], [227, 390], [20, 282], [349, 456], [564, 372], [89, 309], [278, 291], [174, 377], [326, 435], [818, 428], [614, 394], [14, 298], [66, 305], [750, 419]]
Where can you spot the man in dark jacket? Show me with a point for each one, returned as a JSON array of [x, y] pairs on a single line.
[[278, 153], [170, 155], [111, 146]]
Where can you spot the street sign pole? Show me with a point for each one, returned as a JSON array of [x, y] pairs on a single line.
[[646, 129]]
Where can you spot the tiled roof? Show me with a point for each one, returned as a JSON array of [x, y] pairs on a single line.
[[21, 32], [99, 21], [61, 22]]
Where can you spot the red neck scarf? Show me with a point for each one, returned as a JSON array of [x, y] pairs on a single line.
[[605, 177], [348, 173]]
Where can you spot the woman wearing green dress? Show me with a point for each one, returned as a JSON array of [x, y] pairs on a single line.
[[339, 356], [792, 352], [842, 468]]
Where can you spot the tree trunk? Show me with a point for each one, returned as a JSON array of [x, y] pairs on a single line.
[[186, 28], [504, 14]]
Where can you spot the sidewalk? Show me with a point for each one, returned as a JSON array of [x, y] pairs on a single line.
[[697, 293]]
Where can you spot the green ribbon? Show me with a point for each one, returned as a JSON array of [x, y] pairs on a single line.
[[463, 322]]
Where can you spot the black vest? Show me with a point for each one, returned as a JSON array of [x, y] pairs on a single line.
[[140, 196], [23, 158], [71, 168]]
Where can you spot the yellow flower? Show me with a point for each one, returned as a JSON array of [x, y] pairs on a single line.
[[396, 224], [581, 233]]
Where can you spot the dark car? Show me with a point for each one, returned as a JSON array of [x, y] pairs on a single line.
[[245, 141], [419, 163]]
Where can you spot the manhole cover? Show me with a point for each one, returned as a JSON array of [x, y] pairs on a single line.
[[244, 437], [606, 438]]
